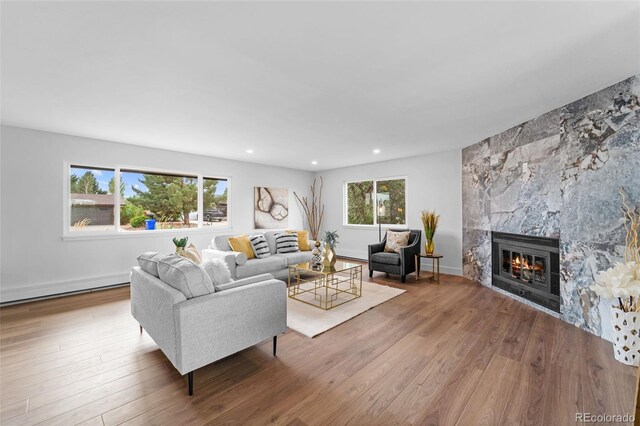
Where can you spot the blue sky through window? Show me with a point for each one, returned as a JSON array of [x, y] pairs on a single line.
[[102, 176], [130, 179]]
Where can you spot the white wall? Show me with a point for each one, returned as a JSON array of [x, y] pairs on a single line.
[[433, 183], [36, 261]]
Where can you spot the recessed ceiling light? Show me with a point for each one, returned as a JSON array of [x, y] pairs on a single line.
[[249, 151], [376, 151], [314, 162]]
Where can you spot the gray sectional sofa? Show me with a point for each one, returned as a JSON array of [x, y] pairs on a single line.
[[277, 264]]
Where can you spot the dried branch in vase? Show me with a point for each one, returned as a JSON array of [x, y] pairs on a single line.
[[313, 209]]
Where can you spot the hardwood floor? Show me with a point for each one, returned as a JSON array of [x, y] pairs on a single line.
[[454, 353]]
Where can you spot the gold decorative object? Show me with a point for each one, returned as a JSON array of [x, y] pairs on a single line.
[[430, 223], [632, 226], [328, 256], [314, 210], [429, 246]]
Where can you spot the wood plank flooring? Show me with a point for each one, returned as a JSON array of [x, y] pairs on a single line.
[[449, 354]]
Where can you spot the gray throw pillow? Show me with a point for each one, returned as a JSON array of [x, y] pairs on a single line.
[[148, 261], [184, 275]]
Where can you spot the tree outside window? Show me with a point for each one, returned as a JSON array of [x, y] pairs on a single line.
[[375, 202]]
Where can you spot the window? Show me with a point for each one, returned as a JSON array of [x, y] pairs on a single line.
[[390, 201], [360, 203], [214, 200], [91, 199], [170, 200], [373, 202], [146, 200]]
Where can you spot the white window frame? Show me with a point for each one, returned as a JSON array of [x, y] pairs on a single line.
[[345, 209], [117, 232]]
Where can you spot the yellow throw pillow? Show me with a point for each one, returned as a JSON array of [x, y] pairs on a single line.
[[396, 240], [242, 244], [303, 239]]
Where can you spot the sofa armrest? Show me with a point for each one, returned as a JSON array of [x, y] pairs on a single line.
[[152, 303], [244, 281], [375, 248], [231, 258], [214, 326]]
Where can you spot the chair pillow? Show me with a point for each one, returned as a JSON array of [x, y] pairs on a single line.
[[148, 261], [184, 275], [396, 240], [242, 244], [287, 243], [260, 246], [218, 271], [303, 239]]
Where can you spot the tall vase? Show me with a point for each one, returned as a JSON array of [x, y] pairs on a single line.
[[328, 256], [428, 247], [626, 336]]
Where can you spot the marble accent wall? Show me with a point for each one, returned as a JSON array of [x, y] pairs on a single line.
[[578, 157]]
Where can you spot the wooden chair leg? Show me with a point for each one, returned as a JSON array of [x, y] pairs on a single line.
[[275, 344], [370, 273], [190, 380]]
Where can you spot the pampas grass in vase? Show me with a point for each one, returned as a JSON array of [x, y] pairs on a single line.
[[430, 222]]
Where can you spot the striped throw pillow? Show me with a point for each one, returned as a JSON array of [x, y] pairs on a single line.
[[287, 243], [260, 246]]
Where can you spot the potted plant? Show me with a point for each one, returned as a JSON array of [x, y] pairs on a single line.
[[181, 243], [622, 283], [430, 223], [329, 251]]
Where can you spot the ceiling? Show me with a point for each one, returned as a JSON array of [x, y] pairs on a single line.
[[307, 81]]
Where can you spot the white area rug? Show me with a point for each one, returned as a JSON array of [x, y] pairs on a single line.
[[311, 321]]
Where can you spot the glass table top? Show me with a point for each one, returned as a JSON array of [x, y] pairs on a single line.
[[338, 267]]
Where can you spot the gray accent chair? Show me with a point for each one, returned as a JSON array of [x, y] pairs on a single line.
[[402, 263], [195, 332]]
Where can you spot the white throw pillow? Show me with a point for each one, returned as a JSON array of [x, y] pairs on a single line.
[[218, 271], [184, 275]]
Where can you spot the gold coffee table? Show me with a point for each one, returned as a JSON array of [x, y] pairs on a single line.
[[326, 287]]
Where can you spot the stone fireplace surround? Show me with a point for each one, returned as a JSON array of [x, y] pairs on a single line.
[[577, 157]]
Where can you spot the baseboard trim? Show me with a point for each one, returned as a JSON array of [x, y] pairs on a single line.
[[424, 266], [61, 288]]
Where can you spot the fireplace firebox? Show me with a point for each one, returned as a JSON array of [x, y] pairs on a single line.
[[528, 267]]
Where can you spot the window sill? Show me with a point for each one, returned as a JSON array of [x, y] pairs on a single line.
[[374, 226], [107, 235]]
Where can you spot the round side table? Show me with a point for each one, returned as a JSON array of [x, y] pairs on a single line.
[[435, 265]]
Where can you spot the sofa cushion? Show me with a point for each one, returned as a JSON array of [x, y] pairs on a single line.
[[148, 261], [184, 275], [295, 258], [261, 266], [260, 246], [386, 258], [286, 243], [218, 271], [396, 240]]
